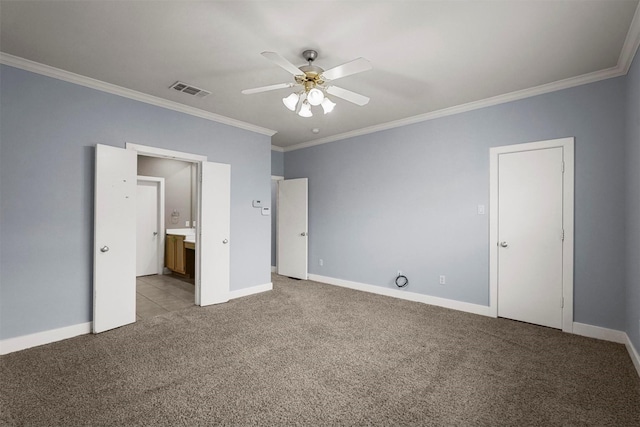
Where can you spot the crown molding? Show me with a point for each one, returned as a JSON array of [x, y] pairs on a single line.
[[627, 54], [46, 70], [276, 148], [475, 105], [631, 43]]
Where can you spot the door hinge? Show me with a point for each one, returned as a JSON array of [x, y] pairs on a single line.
[[563, 234], [562, 306], [563, 167]]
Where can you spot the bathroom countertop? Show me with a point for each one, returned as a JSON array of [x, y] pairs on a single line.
[[181, 231]]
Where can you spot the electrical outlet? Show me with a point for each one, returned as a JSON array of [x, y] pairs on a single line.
[[442, 280], [480, 209], [321, 262], [186, 223]]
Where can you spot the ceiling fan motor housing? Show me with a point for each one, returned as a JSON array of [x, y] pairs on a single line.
[[311, 78]]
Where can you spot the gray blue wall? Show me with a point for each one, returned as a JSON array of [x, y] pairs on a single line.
[[633, 203], [179, 188], [48, 134], [277, 163], [406, 198]]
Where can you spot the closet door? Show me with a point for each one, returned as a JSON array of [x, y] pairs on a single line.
[[214, 228], [114, 269]]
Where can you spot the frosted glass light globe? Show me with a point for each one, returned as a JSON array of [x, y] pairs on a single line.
[[315, 96]]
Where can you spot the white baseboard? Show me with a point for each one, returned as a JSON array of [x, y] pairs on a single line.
[[274, 269], [250, 291], [10, 345], [410, 296], [612, 335], [599, 333], [24, 342], [633, 353]]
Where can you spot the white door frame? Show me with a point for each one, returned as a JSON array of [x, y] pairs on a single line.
[[187, 157], [159, 181], [567, 145], [274, 214]]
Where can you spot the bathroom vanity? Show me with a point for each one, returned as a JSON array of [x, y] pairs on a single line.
[[180, 251]]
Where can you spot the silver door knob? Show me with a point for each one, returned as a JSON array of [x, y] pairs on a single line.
[[104, 249], [303, 234], [225, 241], [504, 244]]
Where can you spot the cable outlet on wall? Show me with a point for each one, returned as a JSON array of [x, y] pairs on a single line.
[[443, 280], [321, 262]]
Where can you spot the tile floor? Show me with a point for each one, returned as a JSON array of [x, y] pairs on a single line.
[[159, 294]]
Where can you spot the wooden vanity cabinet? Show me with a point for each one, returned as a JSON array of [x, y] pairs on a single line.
[[174, 258]]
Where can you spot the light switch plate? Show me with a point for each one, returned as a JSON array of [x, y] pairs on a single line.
[[257, 203]]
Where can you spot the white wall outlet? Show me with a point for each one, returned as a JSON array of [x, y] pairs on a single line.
[[321, 262], [265, 211], [257, 203], [480, 209], [443, 280], [186, 223]]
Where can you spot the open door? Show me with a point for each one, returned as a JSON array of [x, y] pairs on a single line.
[[214, 230], [292, 228], [114, 266]]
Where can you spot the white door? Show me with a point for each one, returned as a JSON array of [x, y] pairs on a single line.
[[214, 233], [292, 228], [147, 228], [114, 271], [530, 236]]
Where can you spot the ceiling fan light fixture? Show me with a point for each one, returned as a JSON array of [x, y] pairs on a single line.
[[305, 110], [291, 101], [315, 96], [327, 105]]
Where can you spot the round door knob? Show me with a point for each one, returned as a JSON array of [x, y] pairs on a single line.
[[104, 249], [504, 244], [155, 233], [303, 234], [225, 241]]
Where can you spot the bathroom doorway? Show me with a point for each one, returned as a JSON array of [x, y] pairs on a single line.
[[115, 229], [165, 260]]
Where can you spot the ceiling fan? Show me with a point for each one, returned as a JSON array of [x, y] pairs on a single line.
[[312, 83]]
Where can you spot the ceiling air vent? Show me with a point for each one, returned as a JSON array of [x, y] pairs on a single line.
[[190, 90]]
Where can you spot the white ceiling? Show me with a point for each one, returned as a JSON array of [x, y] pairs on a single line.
[[426, 55]]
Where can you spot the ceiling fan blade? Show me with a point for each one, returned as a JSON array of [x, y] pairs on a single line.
[[347, 95], [356, 66], [279, 60], [267, 88]]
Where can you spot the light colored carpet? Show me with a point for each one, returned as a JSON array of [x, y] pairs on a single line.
[[313, 354]]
